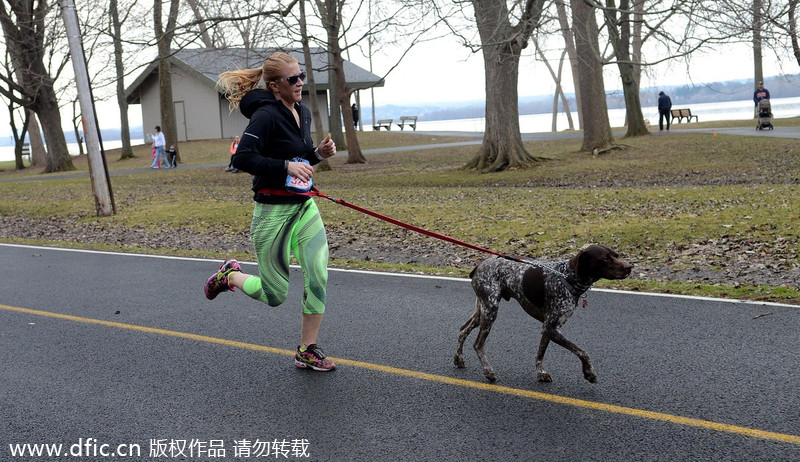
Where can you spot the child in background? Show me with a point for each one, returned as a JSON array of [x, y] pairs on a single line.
[[156, 160], [172, 154]]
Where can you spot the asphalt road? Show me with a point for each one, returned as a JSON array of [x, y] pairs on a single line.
[[102, 352]]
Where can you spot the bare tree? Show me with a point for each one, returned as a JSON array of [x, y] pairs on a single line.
[[758, 59], [559, 93], [200, 14], [331, 15], [164, 34], [14, 101], [397, 25], [792, 29], [312, 84], [18, 134], [569, 47], [223, 24], [501, 44], [675, 30], [119, 69], [760, 23], [780, 23], [596, 129], [620, 31], [76, 125], [24, 28]]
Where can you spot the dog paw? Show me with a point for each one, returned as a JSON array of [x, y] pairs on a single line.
[[458, 360], [489, 374], [590, 376], [543, 377]]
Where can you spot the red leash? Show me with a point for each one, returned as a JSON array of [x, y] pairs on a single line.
[[317, 193]]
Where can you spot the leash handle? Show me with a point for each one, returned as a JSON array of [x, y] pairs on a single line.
[[314, 192]]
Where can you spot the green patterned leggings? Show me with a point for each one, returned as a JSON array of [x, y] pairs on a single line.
[[276, 230]]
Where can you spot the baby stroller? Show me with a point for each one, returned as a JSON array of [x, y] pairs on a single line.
[[764, 115]]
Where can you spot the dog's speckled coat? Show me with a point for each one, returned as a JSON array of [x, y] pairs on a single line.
[[547, 291]]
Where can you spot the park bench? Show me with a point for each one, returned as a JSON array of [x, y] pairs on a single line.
[[684, 113], [382, 123], [408, 120]]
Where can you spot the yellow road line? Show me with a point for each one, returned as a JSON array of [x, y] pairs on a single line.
[[579, 403]]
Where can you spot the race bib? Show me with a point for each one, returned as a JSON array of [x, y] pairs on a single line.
[[294, 184]]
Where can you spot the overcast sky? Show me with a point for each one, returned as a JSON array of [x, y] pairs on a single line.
[[448, 72]]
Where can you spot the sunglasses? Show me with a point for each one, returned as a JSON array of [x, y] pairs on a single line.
[[293, 79]]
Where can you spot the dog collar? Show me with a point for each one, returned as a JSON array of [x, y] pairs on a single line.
[[575, 287]]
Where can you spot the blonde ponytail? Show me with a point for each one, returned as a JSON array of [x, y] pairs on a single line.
[[234, 84]]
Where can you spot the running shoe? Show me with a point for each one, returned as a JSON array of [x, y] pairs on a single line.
[[218, 282], [313, 358]]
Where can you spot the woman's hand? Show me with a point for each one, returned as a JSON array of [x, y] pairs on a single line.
[[327, 148], [300, 170]]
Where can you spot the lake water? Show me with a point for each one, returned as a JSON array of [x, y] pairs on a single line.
[[533, 123]]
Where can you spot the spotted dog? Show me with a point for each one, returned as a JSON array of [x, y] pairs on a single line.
[[547, 291]]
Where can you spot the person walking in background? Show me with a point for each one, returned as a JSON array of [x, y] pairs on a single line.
[[234, 146], [158, 143], [354, 108], [664, 107], [759, 94], [277, 148]]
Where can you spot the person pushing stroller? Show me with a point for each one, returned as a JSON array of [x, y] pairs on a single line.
[[763, 107]]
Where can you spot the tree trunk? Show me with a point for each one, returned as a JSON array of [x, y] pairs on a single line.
[[353, 146], [19, 135], [116, 31], [596, 129], [637, 41], [793, 29], [18, 163], [312, 84], [58, 159], [559, 93], [569, 46], [324, 165], [38, 149], [501, 44], [328, 11], [339, 91], [758, 21], [634, 118], [354, 154], [620, 36], [78, 139], [164, 39], [564, 99]]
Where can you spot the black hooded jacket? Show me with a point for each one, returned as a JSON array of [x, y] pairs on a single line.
[[664, 103], [270, 141]]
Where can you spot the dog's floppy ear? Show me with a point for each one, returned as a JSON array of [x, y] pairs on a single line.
[[582, 260], [575, 261]]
